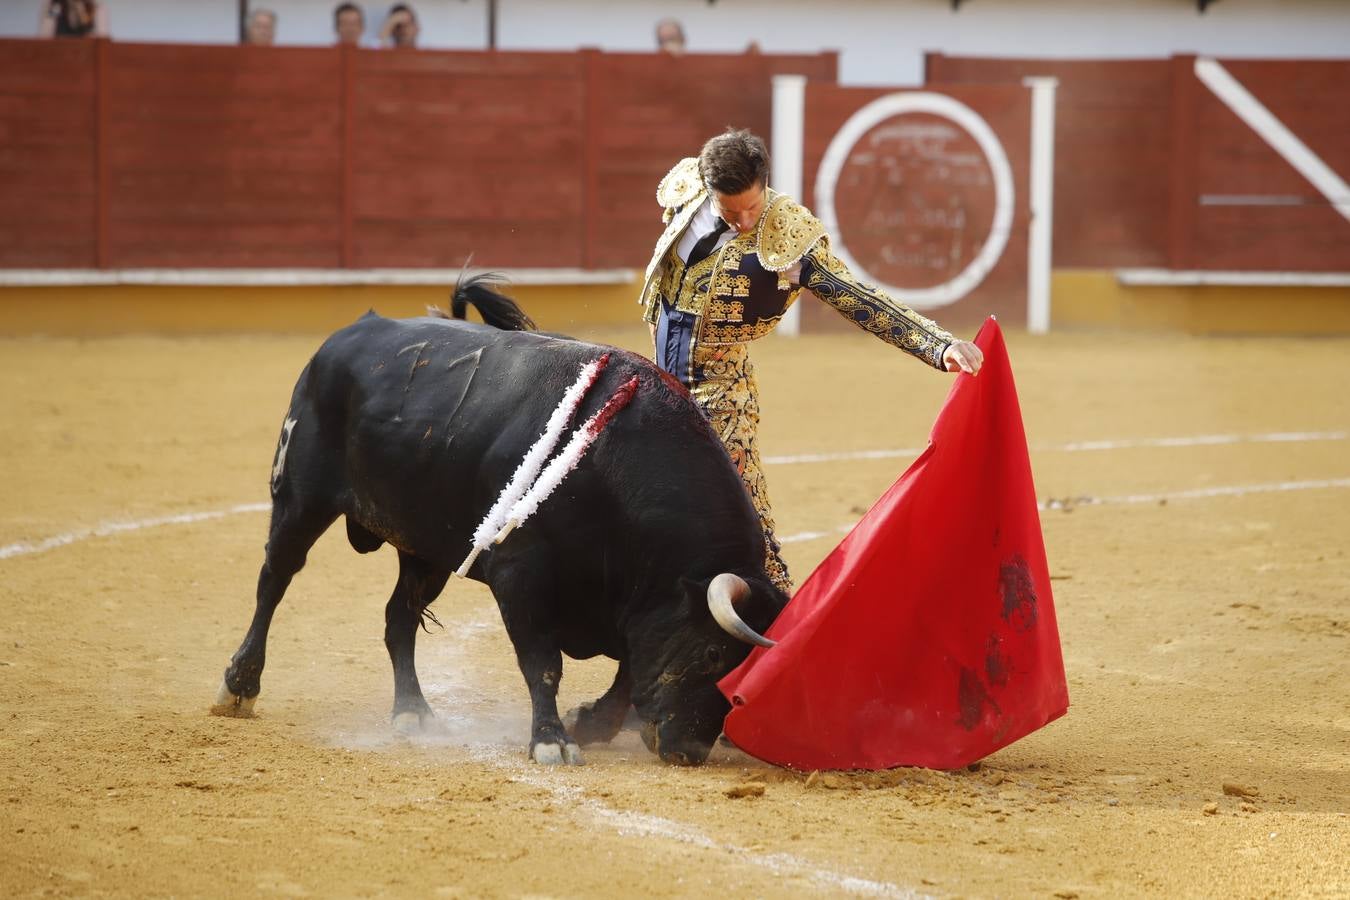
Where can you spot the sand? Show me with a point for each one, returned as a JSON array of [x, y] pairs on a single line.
[[1206, 639]]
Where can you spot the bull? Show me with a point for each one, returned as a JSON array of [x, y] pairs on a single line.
[[649, 552]]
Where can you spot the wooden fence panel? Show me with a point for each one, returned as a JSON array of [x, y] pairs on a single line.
[[1255, 211], [915, 199], [1112, 152], [649, 111], [48, 142], [468, 153], [1152, 168], [158, 155], [223, 156]]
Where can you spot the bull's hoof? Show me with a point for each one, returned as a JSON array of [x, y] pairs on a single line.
[[591, 724], [409, 723], [556, 754], [232, 705]]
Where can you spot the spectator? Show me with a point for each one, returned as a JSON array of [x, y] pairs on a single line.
[[261, 28], [73, 18], [349, 21], [400, 27], [670, 37]]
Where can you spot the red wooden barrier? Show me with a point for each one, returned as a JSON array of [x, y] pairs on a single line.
[[140, 155], [48, 117], [915, 197], [1111, 153], [223, 156], [1254, 210], [1153, 169]]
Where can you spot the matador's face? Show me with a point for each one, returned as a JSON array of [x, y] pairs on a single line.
[[740, 211]]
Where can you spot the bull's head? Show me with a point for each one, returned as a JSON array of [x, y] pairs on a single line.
[[678, 661]]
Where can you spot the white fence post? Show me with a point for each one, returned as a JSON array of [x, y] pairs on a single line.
[[1042, 202], [789, 122]]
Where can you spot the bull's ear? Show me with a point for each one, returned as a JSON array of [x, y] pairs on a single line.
[[694, 595], [767, 601]]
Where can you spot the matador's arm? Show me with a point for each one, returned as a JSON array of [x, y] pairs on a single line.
[[868, 307]]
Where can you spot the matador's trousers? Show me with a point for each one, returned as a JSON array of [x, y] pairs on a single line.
[[726, 390]]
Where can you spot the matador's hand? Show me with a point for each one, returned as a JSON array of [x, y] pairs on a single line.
[[963, 355]]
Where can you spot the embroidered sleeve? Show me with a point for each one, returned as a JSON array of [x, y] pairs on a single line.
[[871, 309]]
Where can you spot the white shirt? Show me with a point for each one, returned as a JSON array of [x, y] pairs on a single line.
[[704, 221]]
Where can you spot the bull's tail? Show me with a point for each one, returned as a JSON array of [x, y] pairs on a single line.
[[497, 309]]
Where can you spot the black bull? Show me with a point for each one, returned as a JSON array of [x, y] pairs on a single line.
[[410, 429]]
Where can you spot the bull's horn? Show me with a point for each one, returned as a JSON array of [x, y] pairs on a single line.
[[724, 592]]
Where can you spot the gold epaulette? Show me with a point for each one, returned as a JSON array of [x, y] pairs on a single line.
[[680, 185], [786, 232]]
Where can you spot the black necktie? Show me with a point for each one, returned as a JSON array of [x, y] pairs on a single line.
[[706, 244]]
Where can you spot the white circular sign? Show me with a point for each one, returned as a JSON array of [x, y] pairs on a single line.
[[873, 114]]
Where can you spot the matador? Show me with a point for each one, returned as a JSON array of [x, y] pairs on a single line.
[[735, 255]]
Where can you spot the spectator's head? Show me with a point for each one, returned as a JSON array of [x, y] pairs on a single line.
[[403, 27], [734, 166], [349, 21], [261, 28], [670, 37], [76, 17]]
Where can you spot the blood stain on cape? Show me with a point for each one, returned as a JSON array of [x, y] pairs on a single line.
[[1019, 594], [997, 666], [972, 696]]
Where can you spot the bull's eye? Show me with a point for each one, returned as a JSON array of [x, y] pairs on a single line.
[[714, 656]]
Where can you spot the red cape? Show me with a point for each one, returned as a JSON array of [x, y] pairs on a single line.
[[928, 637]]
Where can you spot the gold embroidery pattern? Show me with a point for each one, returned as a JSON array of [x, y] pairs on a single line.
[[680, 193], [681, 184], [728, 393], [785, 233], [714, 333], [870, 309], [727, 285], [693, 289], [725, 310], [732, 254]]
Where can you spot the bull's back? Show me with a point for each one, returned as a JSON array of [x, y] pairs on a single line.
[[426, 419]]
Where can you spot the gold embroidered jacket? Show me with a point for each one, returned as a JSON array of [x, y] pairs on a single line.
[[741, 292]]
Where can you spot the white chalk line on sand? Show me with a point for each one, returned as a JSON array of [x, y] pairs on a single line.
[[483, 746], [1238, 490], [465, 724], [633, 824], [105, 529], [1200, 440], [109, 528]]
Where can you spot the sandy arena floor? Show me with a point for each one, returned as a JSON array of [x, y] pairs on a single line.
[[1206, 635]]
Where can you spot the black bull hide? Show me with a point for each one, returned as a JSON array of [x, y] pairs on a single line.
[[410, 429]]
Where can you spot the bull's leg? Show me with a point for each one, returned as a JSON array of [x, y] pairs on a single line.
[[599, 722], [292, 534], [418, 585], [525, 598]]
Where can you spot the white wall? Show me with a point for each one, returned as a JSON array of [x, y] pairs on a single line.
[[881, 41]]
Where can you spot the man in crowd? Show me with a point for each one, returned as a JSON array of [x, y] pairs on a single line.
[[670, 37], [400, 28], [73, 18], [260, 30], [734, 256], [349, 21]]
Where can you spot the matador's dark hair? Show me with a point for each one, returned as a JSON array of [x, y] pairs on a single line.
[[734, 161]]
